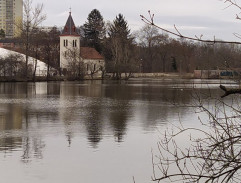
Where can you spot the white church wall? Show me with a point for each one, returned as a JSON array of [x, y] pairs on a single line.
[[94, 65], [67, 43]]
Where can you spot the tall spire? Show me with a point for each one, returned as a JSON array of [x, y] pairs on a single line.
[[69, 28]]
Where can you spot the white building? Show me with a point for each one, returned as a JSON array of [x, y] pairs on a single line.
[[11, 13], [94, 62], [70, 43]]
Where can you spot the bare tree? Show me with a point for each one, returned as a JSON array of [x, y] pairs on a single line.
[[50, 49], [75, 63], [31, 19], [35, 49], [11, 66], [92, 69], [215, 154], [149, 40]]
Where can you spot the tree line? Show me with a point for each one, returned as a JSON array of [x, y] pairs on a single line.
[[147, 50]]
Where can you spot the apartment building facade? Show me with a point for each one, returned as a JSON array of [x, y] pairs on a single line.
[[11, 13]]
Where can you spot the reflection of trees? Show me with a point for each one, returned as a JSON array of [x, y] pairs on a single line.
[[32, 144], [10, 119], [94, 123], [66, 110], [18, 89], [25, 116], [120, 108], [33, 114], [161, 107], [90, 114], [26, 150], [53, 88], [95, 111], [118, 120], [96, 107], [10, 143]]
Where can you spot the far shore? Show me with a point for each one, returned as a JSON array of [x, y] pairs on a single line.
[[107, 77], [164, 75]]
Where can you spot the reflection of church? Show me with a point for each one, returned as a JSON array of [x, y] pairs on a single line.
[[71, 51]]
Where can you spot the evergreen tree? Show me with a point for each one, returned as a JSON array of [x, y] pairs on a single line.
[[2, 33], [174, 64], [119, 28], [120, 51], [94, 30]]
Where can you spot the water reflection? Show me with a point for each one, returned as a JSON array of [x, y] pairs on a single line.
[[94, 110], [94, 122], [10, 119]]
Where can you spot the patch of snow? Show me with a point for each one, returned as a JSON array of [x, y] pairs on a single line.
[[41, 66]]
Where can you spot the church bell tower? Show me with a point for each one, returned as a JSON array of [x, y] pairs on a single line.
[[69, 40]]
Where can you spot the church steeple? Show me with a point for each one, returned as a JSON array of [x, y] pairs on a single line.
[[69, 40], [69, 28]]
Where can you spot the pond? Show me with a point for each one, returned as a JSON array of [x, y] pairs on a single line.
[[90, 131]]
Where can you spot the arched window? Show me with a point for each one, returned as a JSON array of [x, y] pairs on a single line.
[[74, 43], [65, 42]]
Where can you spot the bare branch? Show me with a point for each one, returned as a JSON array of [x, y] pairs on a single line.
[[178, 31], [229, 91], [151, 22]]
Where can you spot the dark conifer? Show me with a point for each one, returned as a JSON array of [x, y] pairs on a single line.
[[94, 30]]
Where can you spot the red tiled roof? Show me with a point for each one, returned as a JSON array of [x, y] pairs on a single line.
[[90, 53]]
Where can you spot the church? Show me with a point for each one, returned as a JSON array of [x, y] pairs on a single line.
[[71, 51]]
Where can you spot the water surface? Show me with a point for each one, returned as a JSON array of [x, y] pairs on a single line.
[[90, 131]]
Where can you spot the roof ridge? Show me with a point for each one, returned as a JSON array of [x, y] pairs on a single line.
[[69, 28]]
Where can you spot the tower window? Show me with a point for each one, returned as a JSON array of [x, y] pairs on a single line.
[[65, 42], [74, 43]]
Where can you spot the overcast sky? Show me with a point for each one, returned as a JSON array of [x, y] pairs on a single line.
[[191, 17]]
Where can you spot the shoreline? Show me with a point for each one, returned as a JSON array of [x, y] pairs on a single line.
[[133, 75]]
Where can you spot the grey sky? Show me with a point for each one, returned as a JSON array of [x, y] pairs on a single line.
[[192, 17]]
